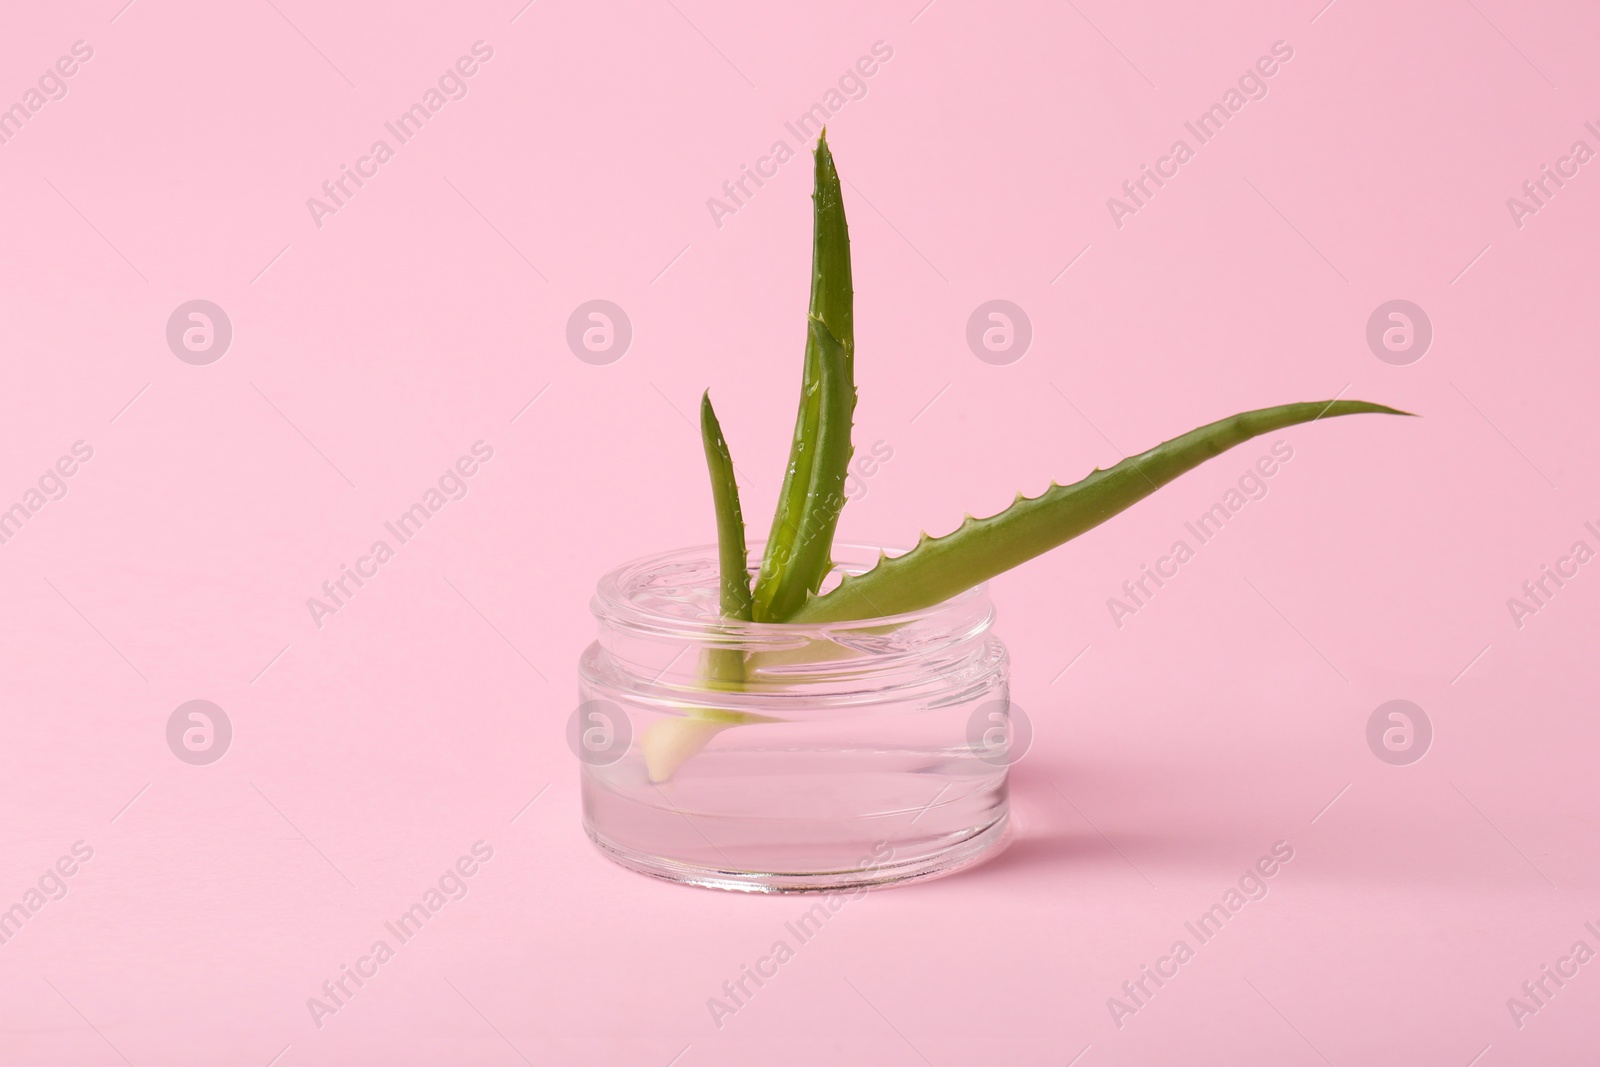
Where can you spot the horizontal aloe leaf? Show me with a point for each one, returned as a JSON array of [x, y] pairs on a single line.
[[940, 567], [798, 548]]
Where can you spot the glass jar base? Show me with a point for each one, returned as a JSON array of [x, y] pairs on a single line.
[[959, 856]]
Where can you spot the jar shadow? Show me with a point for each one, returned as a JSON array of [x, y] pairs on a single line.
[[1048, 831]]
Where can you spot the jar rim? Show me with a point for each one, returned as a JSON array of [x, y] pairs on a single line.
[[616, 598]]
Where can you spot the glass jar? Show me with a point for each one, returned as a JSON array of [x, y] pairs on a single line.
[[771, 757]]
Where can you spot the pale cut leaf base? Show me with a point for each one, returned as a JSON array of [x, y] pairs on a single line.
[[668, 743]]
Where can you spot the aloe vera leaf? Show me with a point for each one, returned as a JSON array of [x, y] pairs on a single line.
[[940, 567], [797, 554], [732, 556], [809, 552], [672, 739], [669, 741]]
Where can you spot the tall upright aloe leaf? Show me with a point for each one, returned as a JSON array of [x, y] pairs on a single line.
[[940, 567], [798, 549]]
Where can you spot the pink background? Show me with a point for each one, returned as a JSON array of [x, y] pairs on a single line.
[[369, 353]]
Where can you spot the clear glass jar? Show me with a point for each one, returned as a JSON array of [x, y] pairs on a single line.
[[788, 757]]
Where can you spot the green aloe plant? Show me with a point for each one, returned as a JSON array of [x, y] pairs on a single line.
[[788, 586]]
